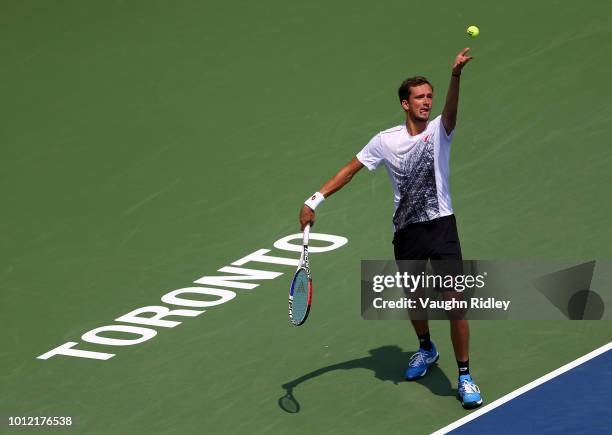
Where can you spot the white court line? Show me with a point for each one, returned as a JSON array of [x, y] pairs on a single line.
[[491, 406]]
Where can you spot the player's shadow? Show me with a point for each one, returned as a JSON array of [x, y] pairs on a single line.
[[388, 364]]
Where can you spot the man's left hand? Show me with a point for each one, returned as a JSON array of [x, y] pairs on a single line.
[[460, 61]]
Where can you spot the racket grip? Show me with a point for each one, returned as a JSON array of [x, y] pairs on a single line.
[[306, 234]]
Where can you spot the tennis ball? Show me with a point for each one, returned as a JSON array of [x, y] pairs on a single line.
[[473, 31]]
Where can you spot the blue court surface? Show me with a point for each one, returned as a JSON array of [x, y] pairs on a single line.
[[578, 400]]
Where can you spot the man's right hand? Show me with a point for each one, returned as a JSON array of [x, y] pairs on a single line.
[[307, 216]]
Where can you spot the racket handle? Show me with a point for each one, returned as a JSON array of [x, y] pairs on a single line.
[[306, 234]]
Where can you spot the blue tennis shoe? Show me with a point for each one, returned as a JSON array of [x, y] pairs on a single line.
[[468, 392], [420, 362]]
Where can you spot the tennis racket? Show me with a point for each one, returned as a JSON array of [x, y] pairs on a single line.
[[300, 295]]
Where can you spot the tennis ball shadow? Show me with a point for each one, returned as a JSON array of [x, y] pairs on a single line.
[[388, 363]]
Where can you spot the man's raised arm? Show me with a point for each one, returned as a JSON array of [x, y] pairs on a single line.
[[335, 183], [449, 114]]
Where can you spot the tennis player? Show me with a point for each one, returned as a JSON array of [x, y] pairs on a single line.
[[416, 156]]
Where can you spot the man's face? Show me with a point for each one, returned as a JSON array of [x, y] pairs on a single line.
[[419, 102]]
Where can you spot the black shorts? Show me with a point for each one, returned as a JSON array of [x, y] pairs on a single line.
[[432, 240]]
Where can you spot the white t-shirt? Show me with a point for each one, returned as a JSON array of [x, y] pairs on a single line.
[[418, 169]]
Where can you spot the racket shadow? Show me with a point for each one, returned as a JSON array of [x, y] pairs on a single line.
[[387, 363]]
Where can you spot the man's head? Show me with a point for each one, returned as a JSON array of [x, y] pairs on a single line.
[[416, 97]]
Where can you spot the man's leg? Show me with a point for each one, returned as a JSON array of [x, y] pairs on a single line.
[[421, 327], [460, 336], [410, 249], [411, 244], [459, 328], [448, 248]]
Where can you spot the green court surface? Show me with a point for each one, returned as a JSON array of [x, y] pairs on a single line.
[[145, 144]]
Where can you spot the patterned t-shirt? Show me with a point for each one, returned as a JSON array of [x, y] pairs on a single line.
[[418, 169]]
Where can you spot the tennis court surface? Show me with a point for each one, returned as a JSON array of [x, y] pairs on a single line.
[[572, 399]]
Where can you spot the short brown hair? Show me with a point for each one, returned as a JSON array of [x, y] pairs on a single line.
[[404, 90]]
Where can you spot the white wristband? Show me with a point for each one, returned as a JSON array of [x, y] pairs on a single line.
[[316, 199]]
